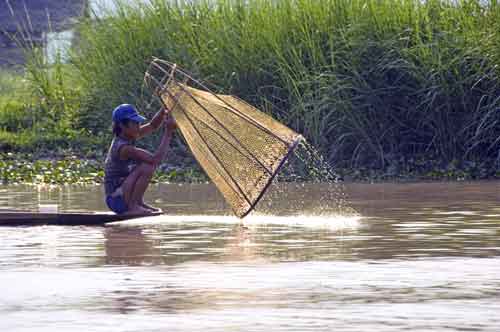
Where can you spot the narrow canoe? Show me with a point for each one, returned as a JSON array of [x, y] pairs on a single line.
[[34, 218]]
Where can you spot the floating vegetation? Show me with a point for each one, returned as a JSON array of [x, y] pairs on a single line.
[[72, 170], [22, 168]]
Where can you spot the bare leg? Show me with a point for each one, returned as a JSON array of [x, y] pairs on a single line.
[[135, 186]]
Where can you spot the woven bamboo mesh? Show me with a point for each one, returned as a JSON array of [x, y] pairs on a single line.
[[240, 148]]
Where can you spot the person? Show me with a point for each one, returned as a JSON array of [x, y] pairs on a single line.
[[129, 169]]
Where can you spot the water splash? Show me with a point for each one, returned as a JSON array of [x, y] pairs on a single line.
[[312, 177], [308, 164], [331, 222]]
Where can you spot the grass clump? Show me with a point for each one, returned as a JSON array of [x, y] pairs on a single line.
[[14, 113], [38, 108]]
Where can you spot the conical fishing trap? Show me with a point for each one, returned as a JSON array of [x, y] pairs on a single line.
[[240, 148]]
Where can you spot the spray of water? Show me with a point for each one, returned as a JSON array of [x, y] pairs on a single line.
[[307, 185], [331, 223]]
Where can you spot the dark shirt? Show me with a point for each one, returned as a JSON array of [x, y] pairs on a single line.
[[116, 169]]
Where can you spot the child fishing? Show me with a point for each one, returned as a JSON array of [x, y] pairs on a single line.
[[129, 169]]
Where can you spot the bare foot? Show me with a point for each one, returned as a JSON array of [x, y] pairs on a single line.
[[151, 208], [139, 210]]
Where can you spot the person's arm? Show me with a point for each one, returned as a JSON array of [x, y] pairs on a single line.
[[154, 124], [141, 155]]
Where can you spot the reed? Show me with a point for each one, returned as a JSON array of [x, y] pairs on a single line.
[[367, 81]]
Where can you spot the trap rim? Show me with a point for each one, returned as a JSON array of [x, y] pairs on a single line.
[[280, 166]]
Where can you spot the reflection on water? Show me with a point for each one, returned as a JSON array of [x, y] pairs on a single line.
[[422, 257]]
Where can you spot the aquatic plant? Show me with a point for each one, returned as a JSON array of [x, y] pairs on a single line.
[[18, 168]]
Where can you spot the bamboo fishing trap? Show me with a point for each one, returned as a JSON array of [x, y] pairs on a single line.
[[239, 147]]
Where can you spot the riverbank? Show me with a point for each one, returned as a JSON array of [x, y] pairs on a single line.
[[28, 168], [67, 167]]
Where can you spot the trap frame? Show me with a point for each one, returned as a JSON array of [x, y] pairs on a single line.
[[239, 147]]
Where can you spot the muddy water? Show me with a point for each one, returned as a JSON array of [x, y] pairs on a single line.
[[419, 257]]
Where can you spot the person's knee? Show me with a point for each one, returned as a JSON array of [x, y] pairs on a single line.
[[147, 169]]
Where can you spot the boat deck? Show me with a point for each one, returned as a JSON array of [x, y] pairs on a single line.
[[35, 218]]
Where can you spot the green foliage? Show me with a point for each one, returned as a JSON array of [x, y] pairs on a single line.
[[14, 116], [366, 81], [14, 113], [55, 89], [38, 106]]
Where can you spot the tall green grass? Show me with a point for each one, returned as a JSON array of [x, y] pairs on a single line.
[[38, 106], [38, 103], [366, 81]]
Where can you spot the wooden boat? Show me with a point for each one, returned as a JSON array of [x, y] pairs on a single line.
[[35, 218]]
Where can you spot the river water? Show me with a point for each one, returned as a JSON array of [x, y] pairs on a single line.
[[419, 257]]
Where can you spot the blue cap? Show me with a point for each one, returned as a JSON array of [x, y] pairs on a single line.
[[127, 112]]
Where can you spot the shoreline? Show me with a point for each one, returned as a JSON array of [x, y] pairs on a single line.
[[22, 168]]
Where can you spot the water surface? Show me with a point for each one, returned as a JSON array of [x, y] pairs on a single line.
[[420, 257]]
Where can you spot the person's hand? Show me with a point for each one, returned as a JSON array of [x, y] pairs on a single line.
[[170, 123], [165, 111]]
